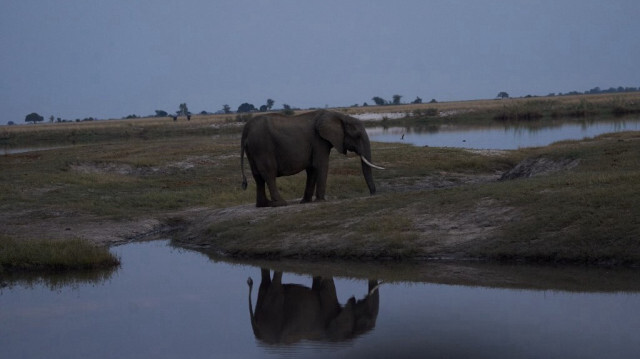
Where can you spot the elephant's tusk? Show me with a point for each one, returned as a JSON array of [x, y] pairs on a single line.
[[370, 164], [375, 288]]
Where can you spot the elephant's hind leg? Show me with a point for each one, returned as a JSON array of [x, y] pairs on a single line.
[[261, 195], [276, 199]]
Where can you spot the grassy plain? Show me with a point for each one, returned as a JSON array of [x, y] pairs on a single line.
[[120, 180]]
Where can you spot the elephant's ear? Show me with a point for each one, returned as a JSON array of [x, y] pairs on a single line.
[[331, 129]]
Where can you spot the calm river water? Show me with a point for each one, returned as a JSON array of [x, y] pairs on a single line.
[[503, 137], [171, 303]]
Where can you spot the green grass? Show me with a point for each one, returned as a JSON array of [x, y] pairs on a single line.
[[123, 180], [46, 255], [587, 214]]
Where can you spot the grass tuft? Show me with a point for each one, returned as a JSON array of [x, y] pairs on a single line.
[[48, 255]]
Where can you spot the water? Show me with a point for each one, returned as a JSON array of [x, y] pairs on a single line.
[[168, 303], [505, 137]]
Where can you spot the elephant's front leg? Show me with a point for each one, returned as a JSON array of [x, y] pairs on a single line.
[[321, 182], [310, 187]]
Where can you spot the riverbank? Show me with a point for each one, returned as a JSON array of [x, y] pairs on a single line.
[[580, 205], [574, 202]]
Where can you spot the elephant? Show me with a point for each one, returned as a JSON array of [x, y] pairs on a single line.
[[288, 313], [277, 145]]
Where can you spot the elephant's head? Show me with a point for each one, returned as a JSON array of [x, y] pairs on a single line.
[[346, 133]]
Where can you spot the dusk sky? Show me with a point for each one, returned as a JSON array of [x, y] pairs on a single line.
[[109, 59]]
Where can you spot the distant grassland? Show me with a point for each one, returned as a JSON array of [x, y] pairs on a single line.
[[602, 104], [458, 112]]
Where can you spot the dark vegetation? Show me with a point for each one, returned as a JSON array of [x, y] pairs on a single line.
[[537, 109]]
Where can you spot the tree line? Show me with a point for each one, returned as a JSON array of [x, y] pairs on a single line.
[[246, 107], [395, 100]]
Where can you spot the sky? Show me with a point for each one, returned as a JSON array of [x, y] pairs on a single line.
[[113, 58]]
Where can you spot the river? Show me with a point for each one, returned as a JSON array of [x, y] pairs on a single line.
[[502, 136], [165, 302]]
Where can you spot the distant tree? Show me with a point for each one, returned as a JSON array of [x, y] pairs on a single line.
[[226, 109], [183, 110], [379, 101], [270, 103], [365, 104], [204, 112], [433, 100], [246, 107], [417, 100], [503, 95], [287, 110], [10, 123], [396, 99], [51, 118], [33, 117], [160, 113], [263, 108]]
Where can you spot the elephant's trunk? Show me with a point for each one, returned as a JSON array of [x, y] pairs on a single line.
[[365, 158]]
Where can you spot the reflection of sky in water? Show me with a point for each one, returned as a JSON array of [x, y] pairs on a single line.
[[168, 303], [502, 137]]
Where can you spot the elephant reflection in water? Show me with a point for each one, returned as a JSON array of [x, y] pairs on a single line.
[[289, 313]]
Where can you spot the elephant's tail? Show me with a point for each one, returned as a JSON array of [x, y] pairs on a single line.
[[244, 178], [251, 314]]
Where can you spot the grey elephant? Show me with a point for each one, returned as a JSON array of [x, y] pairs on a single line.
[[288, 313], [278, 145]]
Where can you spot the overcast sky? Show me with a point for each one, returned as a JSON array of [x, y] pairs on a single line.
[[108, 59]]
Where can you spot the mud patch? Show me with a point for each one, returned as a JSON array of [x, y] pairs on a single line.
[[125, 169], [60, 224], [532, 167], [451, 234], [436, 181]]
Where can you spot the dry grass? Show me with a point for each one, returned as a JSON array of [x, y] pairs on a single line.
[[483, 106]]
